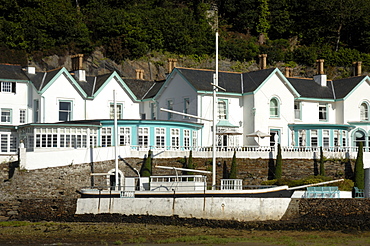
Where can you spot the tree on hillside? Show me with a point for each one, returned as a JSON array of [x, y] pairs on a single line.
[[359, 169], [233, 169], [190, 163], [279, 163], [146, 168], [322, 167], [263, 24]]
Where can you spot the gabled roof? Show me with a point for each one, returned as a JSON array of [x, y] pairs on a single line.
[[41, 79], [139, 87], [343, 87], [308, 88], [12, 72], [252, 80]]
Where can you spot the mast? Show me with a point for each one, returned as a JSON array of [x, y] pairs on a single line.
[[215, 103], [115, 137]]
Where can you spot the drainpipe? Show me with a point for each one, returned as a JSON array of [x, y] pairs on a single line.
[[43, 109]]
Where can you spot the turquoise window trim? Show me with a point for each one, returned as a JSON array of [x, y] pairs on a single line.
[[71, 111], [277, 108], [326, 113], [226, 101]]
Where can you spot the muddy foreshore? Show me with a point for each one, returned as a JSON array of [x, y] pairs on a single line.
[[304, 215]]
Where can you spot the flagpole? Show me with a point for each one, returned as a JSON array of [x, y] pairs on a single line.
[[215, 103]]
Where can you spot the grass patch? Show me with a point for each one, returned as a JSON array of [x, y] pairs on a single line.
[[15, 223]]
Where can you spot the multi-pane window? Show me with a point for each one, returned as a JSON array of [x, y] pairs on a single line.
[[106, 136], [124, 136], [302, 137], [46, 137], [143, 136], [344, 138], [274, 108], [222, 109], [160, 136], [170, 107], [364, 111], [22, 116], [118, 111], [336, 137], [175, 137], [65, 110], [8, 143], [195, 138], [187, 139], [7, 86], [186, 107], [6, 115], [297, 110], [325, 138], [322, 112], [313, 138], [93, 138]]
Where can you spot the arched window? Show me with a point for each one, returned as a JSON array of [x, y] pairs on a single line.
[[364, 111], [360, 137], [274, 108]]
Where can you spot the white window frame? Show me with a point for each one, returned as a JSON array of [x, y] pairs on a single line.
[[314, 138], [325, 138], [195, 138], [143, 137], [22, 116], [323, 112], [153, 110], [175, 138], [222, 109], [186, 133], [6, 115], [119, 112], [69, 111], [124, 137], [106, 136], [7, 87], [160, 137], [364, 111], [298, 110], [274, 109]]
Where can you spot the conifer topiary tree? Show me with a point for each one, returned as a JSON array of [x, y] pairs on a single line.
[[146, 168], [233, 170], [279, 163], [359, 169], [190, 164], [322, 167]]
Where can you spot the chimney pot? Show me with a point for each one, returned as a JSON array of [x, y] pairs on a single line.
[[288, 72], [357, 69], [77, 67], [263, 61], [320, 66]]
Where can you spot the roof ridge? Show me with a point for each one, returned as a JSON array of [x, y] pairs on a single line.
[[206, 69]]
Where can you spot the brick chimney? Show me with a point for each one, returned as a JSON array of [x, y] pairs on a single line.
[[262, 61], [139, 73], [77, 67], [357, 69], [320, 77], [288, 72], [172, 63]]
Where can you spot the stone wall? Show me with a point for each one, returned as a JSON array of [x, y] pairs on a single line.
[[63, 182]]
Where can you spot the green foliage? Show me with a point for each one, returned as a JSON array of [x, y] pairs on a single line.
[[146, 168], [279, 163], [263, 24], [359, 178], [233, 169], [322, 160], [190, 163]]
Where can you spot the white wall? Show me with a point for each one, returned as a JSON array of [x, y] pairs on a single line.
[[274, 87], [351, 108], [99, 108], [61, 89], [15, 102]]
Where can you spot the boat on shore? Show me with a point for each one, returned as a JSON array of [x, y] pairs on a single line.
[[187, 186]]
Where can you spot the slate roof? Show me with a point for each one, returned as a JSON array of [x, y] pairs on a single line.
[[12, 72], [311, 89], [343, 87], [41, 79], [139, 87], [231, 81]]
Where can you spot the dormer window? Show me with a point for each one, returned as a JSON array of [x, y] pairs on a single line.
[[364, 112], [7, 86]]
